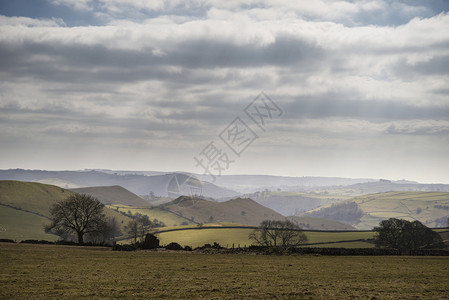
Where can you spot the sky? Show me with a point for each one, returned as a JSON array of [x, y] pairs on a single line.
[[354, 89]]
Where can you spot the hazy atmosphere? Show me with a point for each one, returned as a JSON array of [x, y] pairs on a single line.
[[357, 88]]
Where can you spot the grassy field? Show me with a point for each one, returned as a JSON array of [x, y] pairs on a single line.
[[55, 272], [31, 196], [19, 225], [32, 202], [169, 218], [239, 236], [430, 208]]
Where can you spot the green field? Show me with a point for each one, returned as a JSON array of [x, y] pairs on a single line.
[[25, 207], [57, 272], [169, 218], [197, 237], [19, 225], [430, 208]]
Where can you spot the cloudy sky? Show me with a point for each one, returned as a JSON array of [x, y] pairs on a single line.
[[362, 87]]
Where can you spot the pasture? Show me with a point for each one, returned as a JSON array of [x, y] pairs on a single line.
[[197, 237], [169, 218], [55, 272]]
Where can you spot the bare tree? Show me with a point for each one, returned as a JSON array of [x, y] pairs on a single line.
[[114, 228], [145, 225], [78, 214], [278, 234], [133, 229]]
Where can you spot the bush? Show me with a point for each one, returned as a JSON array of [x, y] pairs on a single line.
[[6, 241], [150, 242], [174, 246], [126, 247], [37, 242]]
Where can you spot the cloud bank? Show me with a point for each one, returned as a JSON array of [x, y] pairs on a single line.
[[147, 85]]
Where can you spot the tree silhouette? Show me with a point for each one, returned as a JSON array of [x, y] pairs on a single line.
[[278, 234], [78, 214], [405, 235]]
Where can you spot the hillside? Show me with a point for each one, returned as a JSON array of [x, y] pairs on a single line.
[[30, 202], [294, 203], [254, 183], [31, 196], [289, 202], [113, 195], [383, 186], [311, 223], [240, 210], [365, 212], [156, 214], [159, 185]]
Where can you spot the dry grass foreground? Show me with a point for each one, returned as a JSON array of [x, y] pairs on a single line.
[[48, 271]]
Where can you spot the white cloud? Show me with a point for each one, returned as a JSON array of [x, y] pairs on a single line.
[[5, 22], [174, 73]]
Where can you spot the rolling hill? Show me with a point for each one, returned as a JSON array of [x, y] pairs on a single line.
[[383, 186], [310, 223], [159, 185], [365, 212], [29, 203], [113, 195], [294, 203], [240, 210], [167, 217]]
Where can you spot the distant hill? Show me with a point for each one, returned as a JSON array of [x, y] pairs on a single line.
[[240, 210], [293, 203], [29, 203], [254, 183], [159, 185], [113, 195], [365, 212], [383, 186], [297, 203], [155, 214], [310, 223]]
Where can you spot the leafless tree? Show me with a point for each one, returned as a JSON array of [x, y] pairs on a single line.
[[78, 214], [278, 234], [133, 229]]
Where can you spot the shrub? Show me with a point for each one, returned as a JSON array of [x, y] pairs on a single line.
[[174, 246]]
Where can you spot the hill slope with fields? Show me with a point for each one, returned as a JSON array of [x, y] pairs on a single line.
[[159, 185], [113, 195], [240, 210], [30, 202], [365, 212], [311, 223]]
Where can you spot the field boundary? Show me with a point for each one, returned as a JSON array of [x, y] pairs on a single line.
[[256, 227]]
